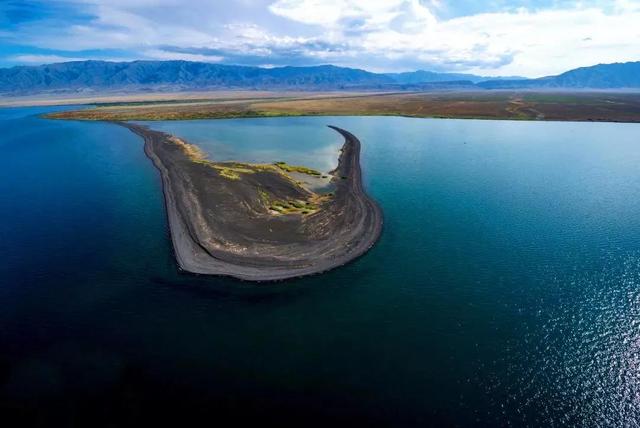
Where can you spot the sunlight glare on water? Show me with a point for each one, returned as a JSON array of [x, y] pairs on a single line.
[[505, 289]]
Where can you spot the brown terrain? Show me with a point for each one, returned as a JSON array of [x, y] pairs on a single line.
[[570, 106], [254, 221]]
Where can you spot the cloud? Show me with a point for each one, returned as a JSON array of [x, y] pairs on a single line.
[[43, 59], [547, 38], [371, 14], [173, 55], [298, 52], [522, 41]]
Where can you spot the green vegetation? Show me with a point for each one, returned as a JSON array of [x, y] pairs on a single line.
[[294, 207], [294, 168], [264, 197], [226, 173], [231, 171]]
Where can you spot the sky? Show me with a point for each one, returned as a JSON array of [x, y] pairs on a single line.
[[530, 38]]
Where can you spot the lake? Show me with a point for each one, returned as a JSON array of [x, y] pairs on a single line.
[[504, 290], [304, 142]]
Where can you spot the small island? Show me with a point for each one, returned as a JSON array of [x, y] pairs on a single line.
[[257, 222]]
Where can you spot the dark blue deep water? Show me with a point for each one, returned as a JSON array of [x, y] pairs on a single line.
[[505, 289]]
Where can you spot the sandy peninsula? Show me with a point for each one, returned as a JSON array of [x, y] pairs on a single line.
[[255, 221]]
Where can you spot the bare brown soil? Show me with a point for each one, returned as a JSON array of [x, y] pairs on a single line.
[[254, 222], [581, 106]]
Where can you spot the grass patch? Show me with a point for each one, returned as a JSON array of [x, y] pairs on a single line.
[[227, 173], [295, 168], [231, 172], [298, 206], [264, 197], [294, 207]]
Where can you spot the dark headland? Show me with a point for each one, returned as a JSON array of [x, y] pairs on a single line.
[[254, 221]]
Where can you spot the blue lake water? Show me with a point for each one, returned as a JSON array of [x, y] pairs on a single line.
[[305, 142], [504, 290]]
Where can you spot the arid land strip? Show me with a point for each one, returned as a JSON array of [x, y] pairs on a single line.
[[521, 105]]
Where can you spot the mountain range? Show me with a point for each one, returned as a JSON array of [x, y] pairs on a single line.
[[422, 76], [88, 76], [601, 76]]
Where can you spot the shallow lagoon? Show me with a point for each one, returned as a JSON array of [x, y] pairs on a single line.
[[306, 142], [505, 286]]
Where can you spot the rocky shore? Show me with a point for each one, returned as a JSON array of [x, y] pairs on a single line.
[[255, 222]]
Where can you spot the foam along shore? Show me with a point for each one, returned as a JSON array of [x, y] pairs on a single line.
[[255, 222]]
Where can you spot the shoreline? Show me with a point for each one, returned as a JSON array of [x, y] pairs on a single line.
[[333, 114], [344, 228], [509, 105]]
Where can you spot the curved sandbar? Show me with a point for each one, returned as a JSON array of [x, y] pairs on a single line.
[[253, 221]]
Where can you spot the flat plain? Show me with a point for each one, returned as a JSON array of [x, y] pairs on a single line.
[[514, 105]]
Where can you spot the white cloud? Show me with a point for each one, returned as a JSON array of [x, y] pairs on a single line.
[[522, 42], [372, 13], [373, 34], [169, 55], [42, 59], [549, 42]]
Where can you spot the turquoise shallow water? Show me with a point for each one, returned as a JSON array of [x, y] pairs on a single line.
[[306, 141], [504, 290]]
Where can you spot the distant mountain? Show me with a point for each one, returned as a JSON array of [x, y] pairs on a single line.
[[422, 76], [602, 76], [104, 76], [177, 75], [84, 76], [423, 86]]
